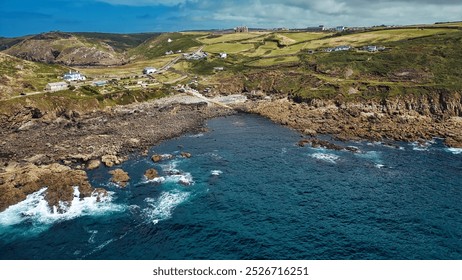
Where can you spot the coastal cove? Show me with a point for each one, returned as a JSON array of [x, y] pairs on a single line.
[[249, 191]]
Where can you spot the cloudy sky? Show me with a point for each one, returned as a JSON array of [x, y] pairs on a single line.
[[129, 16]]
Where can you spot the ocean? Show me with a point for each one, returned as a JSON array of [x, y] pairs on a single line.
[[250, 192]]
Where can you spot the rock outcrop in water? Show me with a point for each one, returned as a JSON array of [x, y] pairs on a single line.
[[151, 174], [19, 181], [119, 177]]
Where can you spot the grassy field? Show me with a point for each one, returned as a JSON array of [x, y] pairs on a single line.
[[134, 68], [304, 36], [225, 38], [274, 61], [227, 48], [376, 37]]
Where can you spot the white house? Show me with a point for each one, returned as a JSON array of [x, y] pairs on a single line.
[[169, 40], [73, 76], [56, 86], [223, 55], [149, 70], [342, 48]]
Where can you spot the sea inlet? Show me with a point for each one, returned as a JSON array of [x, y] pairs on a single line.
[[250, 192]]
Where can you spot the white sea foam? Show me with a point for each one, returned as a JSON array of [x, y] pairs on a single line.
[[196, 135], [216, 172], [325, 157], [416, 146], [455, 151], [35, 209], [161, 208], [184, 179], [157, 180]]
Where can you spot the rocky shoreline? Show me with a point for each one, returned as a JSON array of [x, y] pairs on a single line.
[[394, 121], [36, 151], [33, 148]]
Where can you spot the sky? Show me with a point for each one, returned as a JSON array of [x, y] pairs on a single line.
[[18, 18]]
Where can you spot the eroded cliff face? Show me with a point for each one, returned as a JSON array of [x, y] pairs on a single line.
[[408, 118]]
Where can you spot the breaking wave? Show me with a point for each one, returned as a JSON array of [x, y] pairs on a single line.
[[35, 210], [161, 208], [325, 157]]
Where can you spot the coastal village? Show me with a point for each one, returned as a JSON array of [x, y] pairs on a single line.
[[147, 75]]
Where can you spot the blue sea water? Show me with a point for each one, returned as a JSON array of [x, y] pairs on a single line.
[[250, 192]]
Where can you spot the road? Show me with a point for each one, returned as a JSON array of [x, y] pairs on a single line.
[[195, 93]]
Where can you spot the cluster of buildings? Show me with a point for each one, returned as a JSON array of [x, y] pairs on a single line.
[[241, 29], [338, 49], [195, 55], [347, 48], [67, 77]]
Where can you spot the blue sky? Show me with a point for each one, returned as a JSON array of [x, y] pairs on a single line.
[[24, 17]]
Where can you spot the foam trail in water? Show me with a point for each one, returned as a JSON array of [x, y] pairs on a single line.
[[161, 208], [325, 157]]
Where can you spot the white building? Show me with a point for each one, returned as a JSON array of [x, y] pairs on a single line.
[[73, 76], [56, 86], [223, 55], [149, 70]]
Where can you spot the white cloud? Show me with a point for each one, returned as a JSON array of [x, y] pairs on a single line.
[[145, 2]]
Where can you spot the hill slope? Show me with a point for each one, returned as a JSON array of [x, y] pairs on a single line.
[[67, 49]]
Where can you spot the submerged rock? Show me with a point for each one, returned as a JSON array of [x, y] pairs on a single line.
[[119, 177]]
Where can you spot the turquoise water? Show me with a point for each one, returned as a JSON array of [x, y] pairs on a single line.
[[254, 194]]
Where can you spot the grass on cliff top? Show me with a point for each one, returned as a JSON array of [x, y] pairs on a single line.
[[428, 60], [411, 66]]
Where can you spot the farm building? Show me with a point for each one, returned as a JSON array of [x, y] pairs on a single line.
[[241, 29], [149, 70], [100, 83], [73, 76], [56, 86], [223, 55]]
